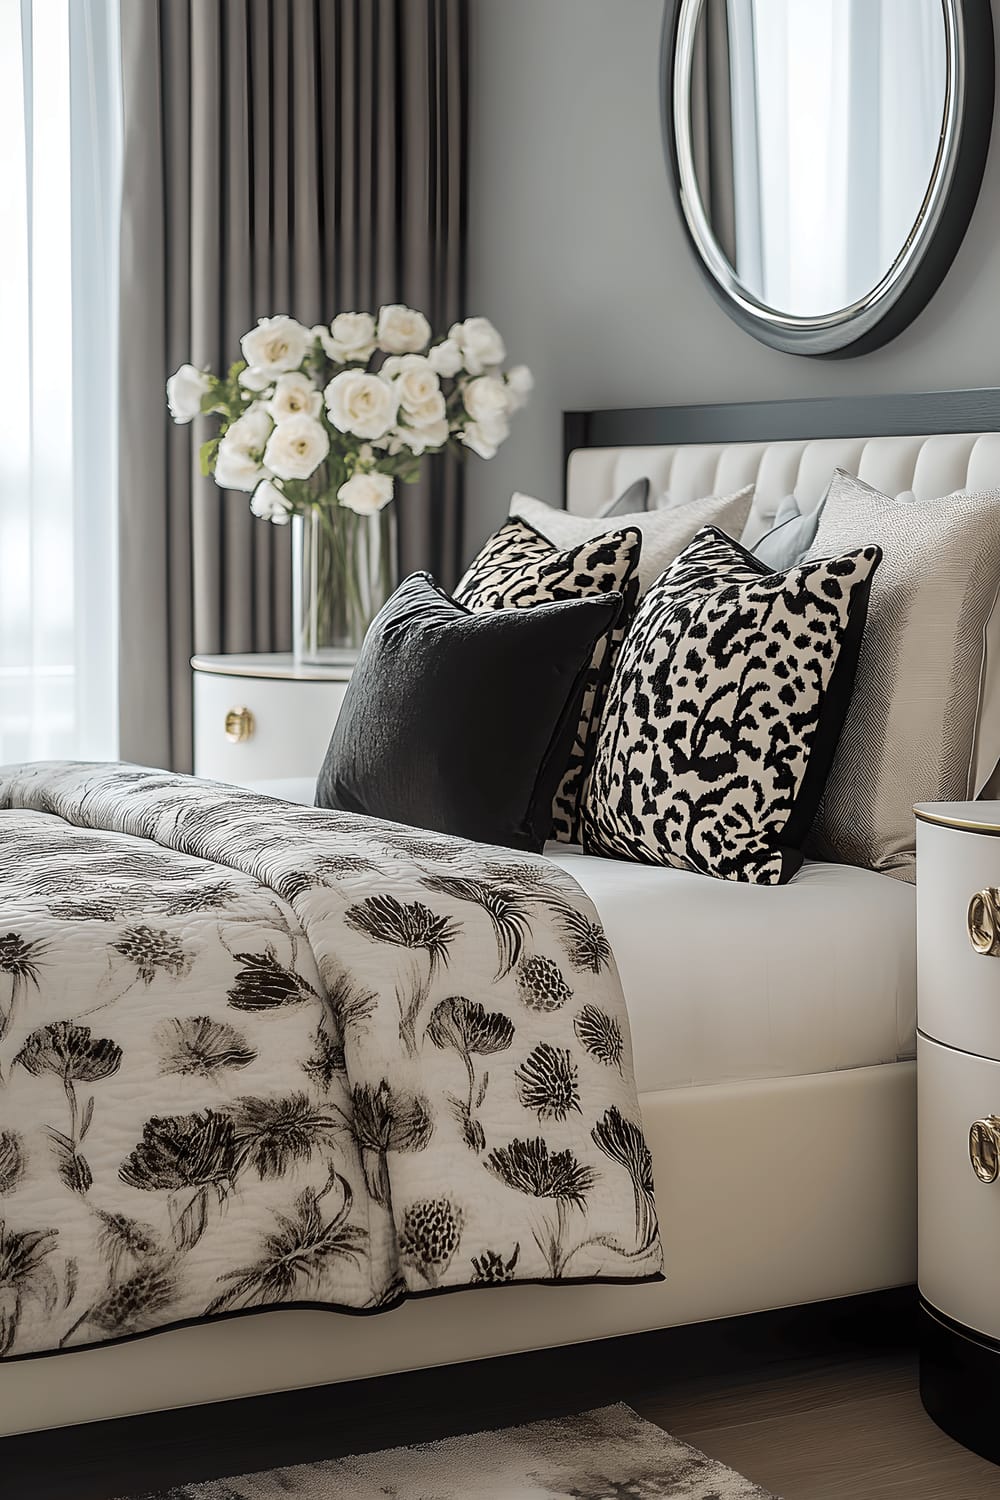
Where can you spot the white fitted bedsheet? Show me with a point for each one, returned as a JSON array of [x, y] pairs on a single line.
[[726, 981]]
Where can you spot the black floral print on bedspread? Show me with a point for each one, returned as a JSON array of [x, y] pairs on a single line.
[[255, 1055]]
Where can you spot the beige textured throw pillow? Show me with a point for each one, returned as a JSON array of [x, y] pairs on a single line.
[[922, 725], [665, 533]]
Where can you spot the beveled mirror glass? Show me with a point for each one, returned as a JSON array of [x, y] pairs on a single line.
[[827, 155]]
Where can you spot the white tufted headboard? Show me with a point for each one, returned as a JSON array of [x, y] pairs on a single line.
[[930, 465]]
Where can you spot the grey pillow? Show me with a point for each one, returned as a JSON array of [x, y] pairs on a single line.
[[635, 497], [665, 533], [922, 726], [791, 536]]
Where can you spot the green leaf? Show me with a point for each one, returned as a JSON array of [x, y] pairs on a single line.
[[207, 455]]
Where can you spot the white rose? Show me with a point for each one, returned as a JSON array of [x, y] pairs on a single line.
[[417, 384], [255, 380], [185, 388], [395, 364], [486, 436], [269, 504], [429, 413], [445, 358], [296, 447], [420, 439], [294, 396], [351, 336], [362, 404], [485, 397], [276, 345], [366, 493], [520, 384], [402, 330], [252, 429], [480, 344], [238, 460], [235, 469]]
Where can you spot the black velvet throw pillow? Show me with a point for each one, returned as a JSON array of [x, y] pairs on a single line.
[[518, 568], [462, 723]]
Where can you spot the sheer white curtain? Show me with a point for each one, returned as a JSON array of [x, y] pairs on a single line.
[[60, 149], [837, 106]]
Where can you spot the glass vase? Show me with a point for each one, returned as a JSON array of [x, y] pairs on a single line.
[[344, 567]]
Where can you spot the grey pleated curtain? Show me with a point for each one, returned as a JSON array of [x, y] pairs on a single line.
[[281, 156]]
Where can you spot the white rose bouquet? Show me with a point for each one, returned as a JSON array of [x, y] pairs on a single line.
[[323, 423], [338, 414]]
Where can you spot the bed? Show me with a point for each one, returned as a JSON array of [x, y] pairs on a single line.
[[773, 1029]]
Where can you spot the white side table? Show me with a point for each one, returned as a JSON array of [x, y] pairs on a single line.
[[261, 718], [958, 1091]]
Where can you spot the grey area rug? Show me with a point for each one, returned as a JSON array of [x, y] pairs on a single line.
[[608, 1454]]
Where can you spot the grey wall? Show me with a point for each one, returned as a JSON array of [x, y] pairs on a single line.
[[578, 255]]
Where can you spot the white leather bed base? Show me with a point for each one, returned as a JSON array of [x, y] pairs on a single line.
[[770, 1193], [725, 980]]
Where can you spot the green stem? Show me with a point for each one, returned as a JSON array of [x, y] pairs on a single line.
[[348, 571]]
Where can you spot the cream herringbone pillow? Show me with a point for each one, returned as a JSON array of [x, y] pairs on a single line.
[[919, 727], [665, 533]]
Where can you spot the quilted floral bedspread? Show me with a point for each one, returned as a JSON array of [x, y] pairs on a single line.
[[254, 1054]]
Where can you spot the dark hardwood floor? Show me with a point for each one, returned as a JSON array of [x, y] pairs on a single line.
[[828, 1430], [814, 1403]]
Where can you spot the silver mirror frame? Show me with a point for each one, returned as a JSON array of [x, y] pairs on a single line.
[[941, 223]]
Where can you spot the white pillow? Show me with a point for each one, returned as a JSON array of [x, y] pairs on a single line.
[[924, 721], [665, 533]]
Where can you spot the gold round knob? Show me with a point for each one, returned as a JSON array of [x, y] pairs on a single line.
[[239, 725], [984, 921], [984, 1148]]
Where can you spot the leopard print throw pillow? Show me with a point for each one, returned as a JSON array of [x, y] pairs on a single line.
[[724, 711], [519, 567]]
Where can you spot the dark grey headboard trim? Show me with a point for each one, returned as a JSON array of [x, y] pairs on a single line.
[[771, 421]]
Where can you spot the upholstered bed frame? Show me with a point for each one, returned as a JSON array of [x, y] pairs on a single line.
[[770, 1191], [786, 447]]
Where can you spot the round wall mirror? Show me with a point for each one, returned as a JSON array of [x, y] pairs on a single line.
[[827, 155]]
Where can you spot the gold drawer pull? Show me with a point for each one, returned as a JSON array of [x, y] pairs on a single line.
[[984, 921], [984, 1148], [239, 725]]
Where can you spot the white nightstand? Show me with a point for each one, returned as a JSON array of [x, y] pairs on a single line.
[[260, 718], [958, 1091]]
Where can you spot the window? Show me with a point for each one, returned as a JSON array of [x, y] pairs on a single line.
[[60, 150]]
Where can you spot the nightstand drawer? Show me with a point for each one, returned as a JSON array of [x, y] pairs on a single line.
[[958, 1213], [959, 987], [249, 729]]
